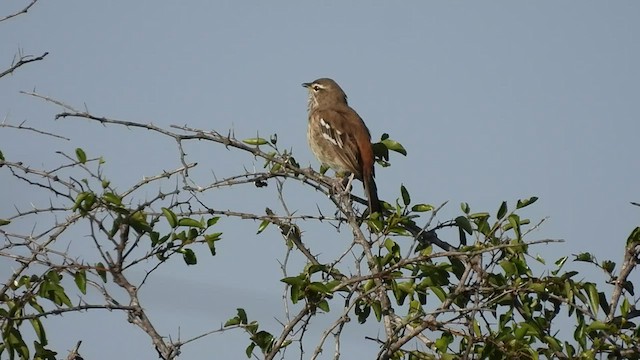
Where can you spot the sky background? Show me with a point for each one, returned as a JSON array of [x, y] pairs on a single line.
[[495, 100]]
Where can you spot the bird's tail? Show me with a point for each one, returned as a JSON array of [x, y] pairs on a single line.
[[372, 195]]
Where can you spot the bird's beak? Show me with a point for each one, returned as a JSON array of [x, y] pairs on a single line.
[[307, 85]]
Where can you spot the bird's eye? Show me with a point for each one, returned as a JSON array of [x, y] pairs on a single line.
[[316, 87]]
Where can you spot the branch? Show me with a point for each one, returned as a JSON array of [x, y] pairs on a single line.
[[23, 60], [23, 11], [20, 127]]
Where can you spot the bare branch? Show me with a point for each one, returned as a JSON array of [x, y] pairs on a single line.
[[23, 61], [23, 11]]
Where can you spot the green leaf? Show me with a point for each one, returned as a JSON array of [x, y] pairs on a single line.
[[406, 198], [102, 271], [211, 241], [560, 263], [293, 280], [597, 325], [514, 221], [319, 287], [586, 257], [464, 223], [263, 226], [189, 257], [112, 198], [242, 315], [233, 321], [213, 221], [190, 223], [553, 343], [634, 237], [249, 350], [80, 279], [39, 330], [138, 221], [171, 217], [4, 222], [503, 210], [439, 292], [377, 310], [255, 141], [81, 156], [526, 202], [443, 343], [465, 207], [594, 299], [479, 215], [324, 306], [509, 268], [608, 266], [15, 342], [421, 208], [394, 146]]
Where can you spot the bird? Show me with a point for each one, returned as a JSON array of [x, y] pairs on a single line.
[[339, 138]]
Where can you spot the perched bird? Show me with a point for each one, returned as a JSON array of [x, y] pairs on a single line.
[[339, 138]]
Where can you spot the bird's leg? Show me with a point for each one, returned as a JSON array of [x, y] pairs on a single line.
[[348, 181], [342, 184]]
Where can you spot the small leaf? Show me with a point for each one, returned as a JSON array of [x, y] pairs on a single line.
[[242, 315], [255, 141], [394, 146], [319, 287], [189, 257], [80, 279], [465, 207], [406, 198], [479, 215], [526, 202], [190, 223], [597, 325], [608, 266], [102, 271], [211, 241], [249, 350], [377, 310], [138, 221], [263, 226], [586, 257], [171, 217], [503, 210], [213, 221], [39, 330], [421, 208], [4, 222], [81, 156], [112, 198], [634, 237], [509, 268], [293, 280], [324, 306], [514, 221], [594, 299], [464, 223], [439, 292]]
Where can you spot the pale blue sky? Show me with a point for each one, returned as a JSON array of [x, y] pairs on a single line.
[[494, 101]]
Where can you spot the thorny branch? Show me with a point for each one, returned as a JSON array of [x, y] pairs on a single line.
[[113, 216]]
